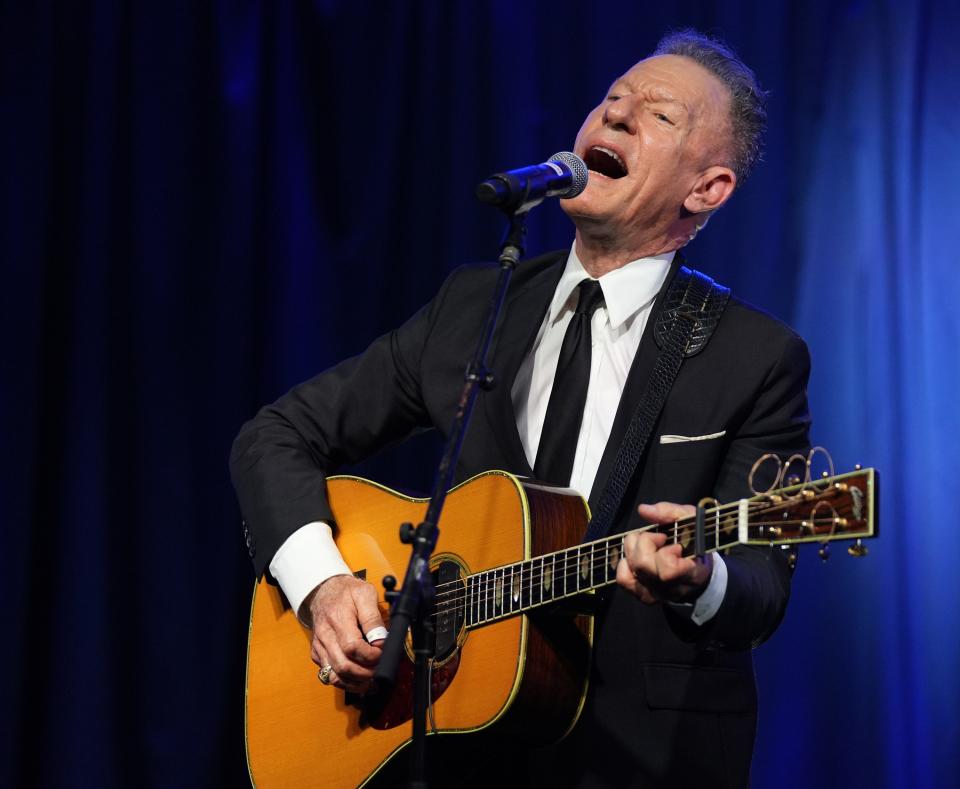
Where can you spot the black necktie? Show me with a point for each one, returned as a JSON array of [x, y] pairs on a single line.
[[561, 427]]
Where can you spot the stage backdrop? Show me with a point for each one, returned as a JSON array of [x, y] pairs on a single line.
[[203, 203]]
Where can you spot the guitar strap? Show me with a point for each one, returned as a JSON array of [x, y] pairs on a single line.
[[690, 312]]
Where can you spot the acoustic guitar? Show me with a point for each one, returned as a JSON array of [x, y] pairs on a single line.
[[512, 654]]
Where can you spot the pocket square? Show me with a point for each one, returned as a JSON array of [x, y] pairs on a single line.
[[685, 439]]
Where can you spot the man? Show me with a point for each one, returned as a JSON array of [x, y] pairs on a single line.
[[672, 697]]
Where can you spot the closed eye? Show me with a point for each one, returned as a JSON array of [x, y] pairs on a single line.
[[661, 117]]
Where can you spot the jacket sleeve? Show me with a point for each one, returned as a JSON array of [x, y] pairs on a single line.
[[280, 459], [758, 579]]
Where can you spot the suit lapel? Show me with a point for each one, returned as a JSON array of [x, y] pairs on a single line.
[[521, 319], [643, 363]]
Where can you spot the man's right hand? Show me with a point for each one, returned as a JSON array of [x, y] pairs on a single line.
[[343, 609]]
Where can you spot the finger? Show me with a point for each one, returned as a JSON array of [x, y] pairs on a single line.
[[349, 686], [335, 679], [344, 628], [369, 619], [363, 653], [368, 612], [671, 566], [665, 511], [628, 580], [640, 549], [348, 670], [376, 636]]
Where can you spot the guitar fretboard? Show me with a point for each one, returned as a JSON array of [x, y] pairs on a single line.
[[505, 591]]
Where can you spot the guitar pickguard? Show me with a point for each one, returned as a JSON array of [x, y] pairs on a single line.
[[391, 708]]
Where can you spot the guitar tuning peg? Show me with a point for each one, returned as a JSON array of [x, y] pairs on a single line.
[[858, 549], [824, 552]]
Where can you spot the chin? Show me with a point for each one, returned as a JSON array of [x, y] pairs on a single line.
[[586, 206]]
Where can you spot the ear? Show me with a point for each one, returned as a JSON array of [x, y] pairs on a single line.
[[711, 190]]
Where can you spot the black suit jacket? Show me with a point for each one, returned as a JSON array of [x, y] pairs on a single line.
[[669, 701]]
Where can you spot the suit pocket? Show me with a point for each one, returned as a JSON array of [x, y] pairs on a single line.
[[698, 688], [682, 450]]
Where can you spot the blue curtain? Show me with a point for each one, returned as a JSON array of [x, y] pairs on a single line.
[[873, 646], [202, 204]]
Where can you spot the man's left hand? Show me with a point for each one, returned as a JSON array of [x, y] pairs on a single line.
[[655, 571]]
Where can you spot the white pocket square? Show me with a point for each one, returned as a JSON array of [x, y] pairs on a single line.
[[685, 439]]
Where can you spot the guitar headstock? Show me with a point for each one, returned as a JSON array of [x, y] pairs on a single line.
[[841, 507]]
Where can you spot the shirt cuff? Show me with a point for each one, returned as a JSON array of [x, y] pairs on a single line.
[[709, 601], [307, 558]]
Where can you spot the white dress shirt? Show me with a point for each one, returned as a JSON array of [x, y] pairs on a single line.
[[308, 557]]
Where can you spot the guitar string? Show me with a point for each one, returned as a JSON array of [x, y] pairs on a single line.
[[512, 608], [572, 559], [608, 540], [533, 604], [682, 525], [497, 583], [486, 593], [571, 564]]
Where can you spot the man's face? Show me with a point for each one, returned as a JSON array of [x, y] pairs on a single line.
[[660, 126]]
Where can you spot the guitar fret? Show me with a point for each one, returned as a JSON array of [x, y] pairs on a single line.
[[487, 593], [501, 592], [558, 581], [533, 585], [598, 574], [548, 575], [524, 586], [564, 578], [475, 582], [508, 588], [518, 587], [475, 600], [478, 598], [536, 581], [468, 617]]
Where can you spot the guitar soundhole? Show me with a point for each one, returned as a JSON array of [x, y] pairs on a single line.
[[394, 706], [449, 608]]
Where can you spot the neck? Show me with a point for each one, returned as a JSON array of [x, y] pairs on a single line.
[[601, 254]]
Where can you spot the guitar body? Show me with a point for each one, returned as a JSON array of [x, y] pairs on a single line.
[[521, 677]]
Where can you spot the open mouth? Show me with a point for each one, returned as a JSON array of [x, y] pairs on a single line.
[[606, 162]]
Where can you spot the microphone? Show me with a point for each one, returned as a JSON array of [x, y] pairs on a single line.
[[564, 175]]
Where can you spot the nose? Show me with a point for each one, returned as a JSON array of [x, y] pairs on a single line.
[[619, 114]]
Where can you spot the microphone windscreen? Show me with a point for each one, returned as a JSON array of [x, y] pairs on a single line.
[[578, 169]]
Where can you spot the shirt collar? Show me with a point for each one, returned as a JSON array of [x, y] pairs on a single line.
[[626, 290]]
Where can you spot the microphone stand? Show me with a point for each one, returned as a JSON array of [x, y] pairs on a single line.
[[412, 605]]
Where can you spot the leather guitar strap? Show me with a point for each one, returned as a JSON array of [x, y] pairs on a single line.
[[691, 311]]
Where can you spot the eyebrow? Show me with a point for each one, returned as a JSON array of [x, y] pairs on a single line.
[[654, 94]]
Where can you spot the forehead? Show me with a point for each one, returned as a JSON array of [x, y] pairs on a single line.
[[678, 78]]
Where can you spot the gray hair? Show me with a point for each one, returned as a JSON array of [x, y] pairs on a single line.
[[748, 111]]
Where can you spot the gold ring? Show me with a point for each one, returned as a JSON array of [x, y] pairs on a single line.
[[324, 674]]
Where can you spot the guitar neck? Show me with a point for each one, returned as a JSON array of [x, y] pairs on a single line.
[[838, 507], [506, 591]]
